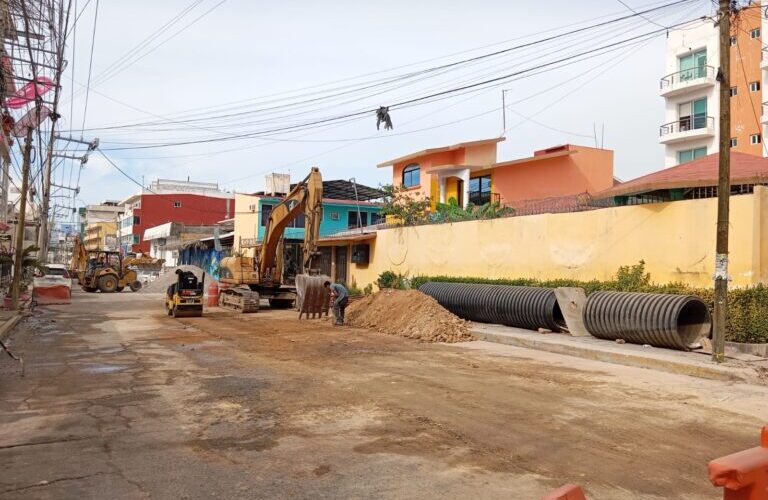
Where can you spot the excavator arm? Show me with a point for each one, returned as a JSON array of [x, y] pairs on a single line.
[[307, 198], [79, 256]]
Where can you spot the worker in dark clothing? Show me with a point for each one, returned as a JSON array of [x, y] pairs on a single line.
[[339, 300]]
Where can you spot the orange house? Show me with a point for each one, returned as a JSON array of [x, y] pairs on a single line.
[[470, 172]]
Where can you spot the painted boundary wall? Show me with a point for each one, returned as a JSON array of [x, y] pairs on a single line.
[[675, 239]]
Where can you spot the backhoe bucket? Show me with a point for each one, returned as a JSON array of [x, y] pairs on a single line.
[[311, 296]]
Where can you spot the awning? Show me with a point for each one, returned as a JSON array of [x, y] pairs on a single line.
[[161, 231], [348, 238]]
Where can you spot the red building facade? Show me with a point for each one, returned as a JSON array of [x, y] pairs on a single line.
[[148, 210]]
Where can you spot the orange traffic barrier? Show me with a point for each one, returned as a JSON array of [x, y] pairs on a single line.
[[570, 491], [213, 294], [743, 475]]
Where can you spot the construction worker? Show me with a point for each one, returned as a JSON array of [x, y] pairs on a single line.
[[339, 300]]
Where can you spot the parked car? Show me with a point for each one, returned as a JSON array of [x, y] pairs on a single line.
[[53, 285]]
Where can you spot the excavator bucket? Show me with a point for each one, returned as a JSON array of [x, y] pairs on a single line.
[[311, 296]]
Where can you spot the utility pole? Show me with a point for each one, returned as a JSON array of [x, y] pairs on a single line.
[[6, 162], [723, 185], [44, 234], [17, 256]]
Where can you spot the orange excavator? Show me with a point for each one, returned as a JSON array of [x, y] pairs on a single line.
[[254, 278]]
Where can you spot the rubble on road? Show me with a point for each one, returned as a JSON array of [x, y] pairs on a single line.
[[408, 313]]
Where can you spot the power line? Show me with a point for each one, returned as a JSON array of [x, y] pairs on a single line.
[[405, 103], [90, 66], [423, 72]]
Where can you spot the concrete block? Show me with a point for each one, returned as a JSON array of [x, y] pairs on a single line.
[[571, 301]]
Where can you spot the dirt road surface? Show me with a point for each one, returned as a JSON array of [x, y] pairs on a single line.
[[121, 401]]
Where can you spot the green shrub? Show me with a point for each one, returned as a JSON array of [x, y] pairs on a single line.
[[747, 307], [390, 279]]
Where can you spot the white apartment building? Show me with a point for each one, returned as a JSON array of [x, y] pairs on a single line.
[[691, 91]]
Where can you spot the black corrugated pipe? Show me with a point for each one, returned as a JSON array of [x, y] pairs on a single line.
[[660, 320], [520, 306]]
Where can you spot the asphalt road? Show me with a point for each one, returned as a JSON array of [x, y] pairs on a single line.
[[121, 401]]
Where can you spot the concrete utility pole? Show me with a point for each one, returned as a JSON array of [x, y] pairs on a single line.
[[17, 256], [6, 162], [44, 234], [723, 185]]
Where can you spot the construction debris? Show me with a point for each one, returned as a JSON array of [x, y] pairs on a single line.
[[408, 313]]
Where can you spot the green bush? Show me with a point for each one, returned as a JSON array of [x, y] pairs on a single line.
[[390, 279], [747, 307]]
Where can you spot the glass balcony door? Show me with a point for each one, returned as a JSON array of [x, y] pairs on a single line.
[[693, 65], [692, 114]]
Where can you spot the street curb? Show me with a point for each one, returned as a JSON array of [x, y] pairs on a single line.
[[691, 368], [7, 327]]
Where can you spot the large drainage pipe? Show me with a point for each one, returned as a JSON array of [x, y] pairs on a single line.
[[519, 306], [660, 320]]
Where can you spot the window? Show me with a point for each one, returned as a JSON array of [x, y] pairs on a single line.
[[352, 221], [693, 65], [734, 91], [755, 139], [334, 215], [136, 239], [266, 211], [754, 86], [377, 218], [299, 221], [693, 114], [733, 40], [755, 33], [136, 220], [690, 154], [734, 142], [411, 175], [176, 204], [480, 190]]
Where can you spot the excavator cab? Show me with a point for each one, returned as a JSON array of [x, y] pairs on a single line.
[[185, 297]]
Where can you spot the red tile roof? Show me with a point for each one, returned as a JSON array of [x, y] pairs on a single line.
[[745, 169]]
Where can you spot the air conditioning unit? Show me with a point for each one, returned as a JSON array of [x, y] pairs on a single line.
[[360, 253]]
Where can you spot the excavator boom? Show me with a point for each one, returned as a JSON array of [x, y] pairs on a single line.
[[263, 275], [306, 198]]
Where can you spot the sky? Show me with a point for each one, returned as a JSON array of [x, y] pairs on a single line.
[[242, 52]]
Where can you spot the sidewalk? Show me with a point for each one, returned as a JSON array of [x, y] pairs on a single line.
[[738, 367], [8, 320]]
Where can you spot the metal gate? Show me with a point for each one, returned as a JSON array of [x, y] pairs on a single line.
[[324, 262], [341, 265]]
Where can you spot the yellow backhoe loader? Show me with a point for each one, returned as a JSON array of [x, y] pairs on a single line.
[[254, 278], [103, 270]]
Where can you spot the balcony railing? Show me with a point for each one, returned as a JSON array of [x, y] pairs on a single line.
[[687, 124], [687, 75]]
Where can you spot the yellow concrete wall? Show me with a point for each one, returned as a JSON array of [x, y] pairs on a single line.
[[246, 221], [676, 240]]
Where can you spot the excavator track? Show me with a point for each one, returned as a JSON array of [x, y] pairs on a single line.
[[239, 298]]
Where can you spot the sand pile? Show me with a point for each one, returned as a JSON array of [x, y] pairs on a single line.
[[168, 278], [408, 313]]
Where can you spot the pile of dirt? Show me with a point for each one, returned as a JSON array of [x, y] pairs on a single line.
[[408, 313], [168, 278]]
